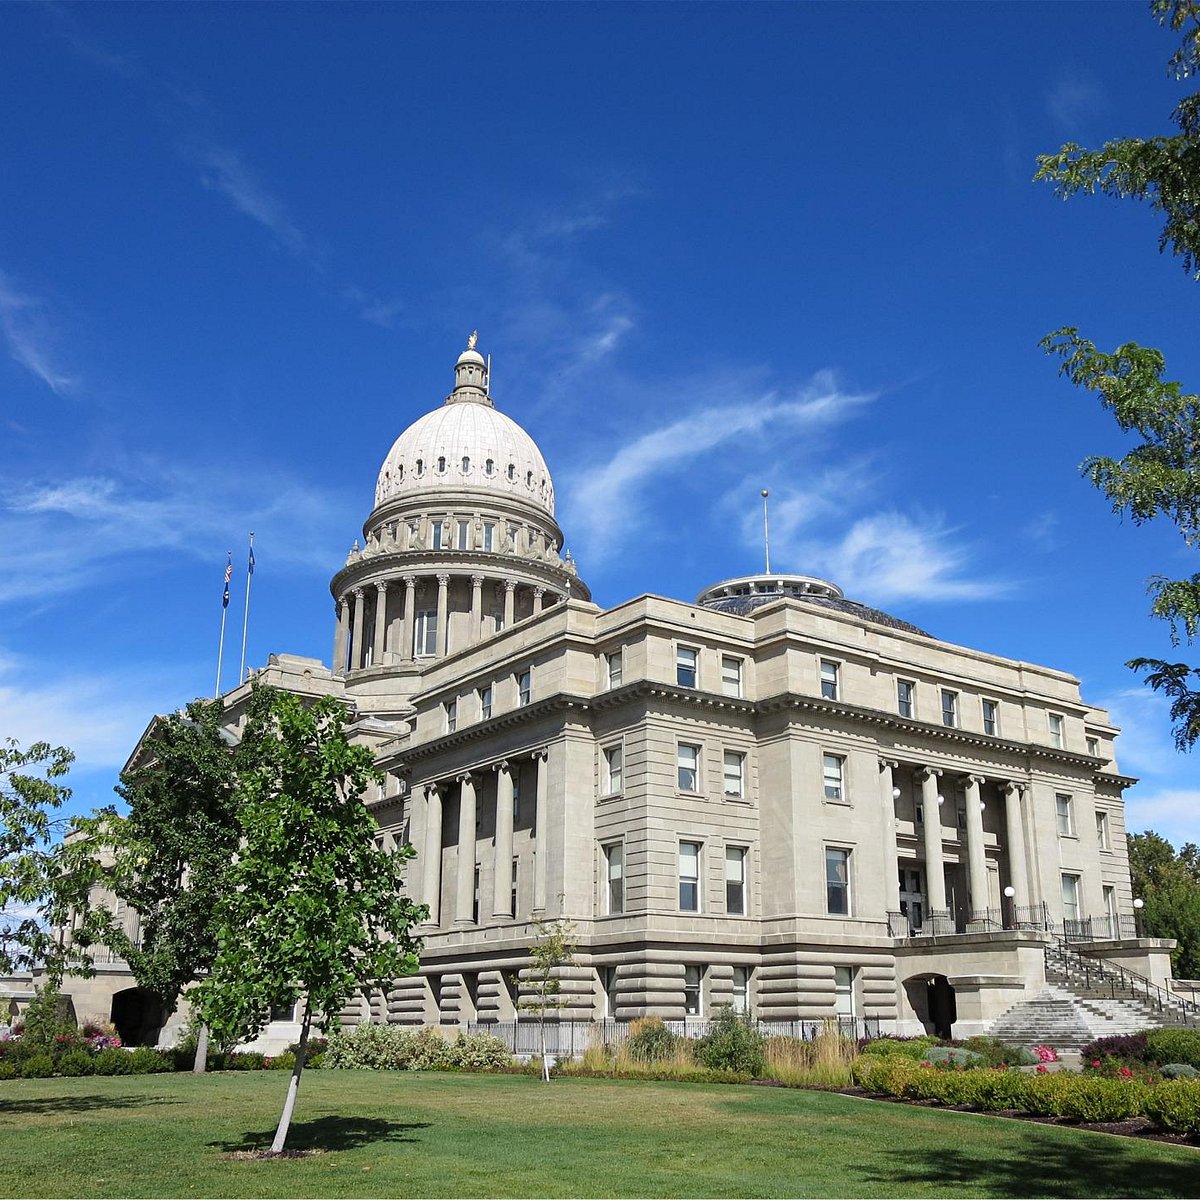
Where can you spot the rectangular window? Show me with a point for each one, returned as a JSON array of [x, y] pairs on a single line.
[[489, 536], [1064, 815], [731, 675], [451, 707], [513, 910], [991, 717], [475, 899], [615, 668], [463, 535], [485, 702], [524, 687], [832, 766], [692, 980], [837, 882], [1111, 920], [686, 662], [425, 633], [735, 880], [741, 990], [1070, 897], [949, 708], [904, 697], [687, 758], [735, 774], [843, 991], [614, 872], [829, 679], [608, 985], [613, 770], [1102, 830], [689, 876], [516, 782], [1093, 747], [1055, 723], [438, 529]]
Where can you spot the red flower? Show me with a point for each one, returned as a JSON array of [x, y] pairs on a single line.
[[1041, 1069]]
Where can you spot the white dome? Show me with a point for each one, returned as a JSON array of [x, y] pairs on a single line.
[[466, 444]]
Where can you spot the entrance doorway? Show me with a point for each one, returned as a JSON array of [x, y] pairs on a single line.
[[912, 897]]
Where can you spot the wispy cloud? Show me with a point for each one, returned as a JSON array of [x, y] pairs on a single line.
[[1075, 97], [31, 337], [1042, 531], [224, 171], [85, 43], [372, 309]]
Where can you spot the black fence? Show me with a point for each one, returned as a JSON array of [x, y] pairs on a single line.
[[1110, 927]]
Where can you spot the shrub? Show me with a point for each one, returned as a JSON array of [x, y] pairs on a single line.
[[886, 1074], [996, 1053], [996, 1090], [1173, 1046], [651, 1041], [478, 1052], [38, 1066], [76, 1062], [913, 1048], [1096, 1099], [248, 1060], [113, 1062], [957, 1056], [45, 1017], [147, 1061], [1174, 1106], [317, 1045], [732, 1044], [1179, 1071], [1045, 1095], [8, 1070], [1131, 1046]]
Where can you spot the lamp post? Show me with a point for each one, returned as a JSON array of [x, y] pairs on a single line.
[[1138, 905], [1011, 919]]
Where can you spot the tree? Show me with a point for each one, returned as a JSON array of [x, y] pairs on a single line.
[[312, 910], [172, 853], [1169, 883], [45, 877], [1159, 477], [553, 948]]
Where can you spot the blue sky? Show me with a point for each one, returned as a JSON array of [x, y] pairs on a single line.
[[710, 249]]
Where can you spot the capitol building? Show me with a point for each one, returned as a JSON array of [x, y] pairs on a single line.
[[771, 796]]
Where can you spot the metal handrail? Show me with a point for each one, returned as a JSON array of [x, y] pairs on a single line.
[[1159, 997]]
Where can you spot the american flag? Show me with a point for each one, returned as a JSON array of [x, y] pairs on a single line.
[[228, 577]]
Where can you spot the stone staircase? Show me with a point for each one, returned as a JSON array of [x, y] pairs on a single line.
[[1084, 999]]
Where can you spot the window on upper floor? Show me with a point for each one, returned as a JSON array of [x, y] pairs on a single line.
[[1102, 839], [905, 697], [833, 770], [687, 761], [614, 873], [735, 773], [689, 876], [991, 717], [686, 663], [1055, 724], [1093, 747], [524, 687], [485, 702], [731, 675], [513, 897], [451, 707], [949, 708], [516, 786], [1070, 897], [837, 881], [613, 770], [1064, 815], [425, 633], [437, 529], [830, 682], [735, 880], [614, 668], [489, 535], [462, 539]]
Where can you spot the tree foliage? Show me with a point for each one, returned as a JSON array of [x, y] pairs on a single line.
[[553, 948], [1160, 476], [1169, 883], [312, 910], [44, 877]]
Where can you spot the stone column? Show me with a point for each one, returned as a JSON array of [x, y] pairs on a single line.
[[443, 613], [356, 631], [380, 624], [341, 637], [538, 593], [510, 586], [541, 826], [1015, 837], [935, 873], [432, 883], [976, 859], [502, 867], [410, 605], [891, 866], [464, 898], [476, 608]]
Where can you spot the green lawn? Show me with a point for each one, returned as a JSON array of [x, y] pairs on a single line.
[[398, 1134]]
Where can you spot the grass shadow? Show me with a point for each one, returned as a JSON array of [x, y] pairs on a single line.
[[1084, 1166], [328, 1133], [45, 1105]]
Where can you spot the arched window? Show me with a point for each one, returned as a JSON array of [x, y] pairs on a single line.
[[441, 464], [512, 471], [466, 464], [529, 479], [489, 467], [420, 466], [400, 473]]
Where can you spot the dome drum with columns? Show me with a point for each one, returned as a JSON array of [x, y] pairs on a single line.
[[462, 541]]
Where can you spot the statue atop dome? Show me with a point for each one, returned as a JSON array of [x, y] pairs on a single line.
[[473, 339]]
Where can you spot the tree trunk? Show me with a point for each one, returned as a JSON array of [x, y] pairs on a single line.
[[289, 1104], [200, 1064], [542, 1031]]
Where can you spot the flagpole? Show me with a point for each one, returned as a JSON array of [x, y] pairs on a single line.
[[224, 610], [246, 613]]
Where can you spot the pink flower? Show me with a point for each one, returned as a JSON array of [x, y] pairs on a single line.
[[1042, 1069], [1125, 1073], [1096, 1063], [926, 1064]]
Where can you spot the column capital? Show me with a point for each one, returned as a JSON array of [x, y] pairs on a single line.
[[435, 788], [502, 765], [888, 764], [538, 592], [410, 581], [381, 586], [477, 581], [921, 774], [542, 752], [356, 592], [465, 777], [443, 580], [1010, 786], [976, 780], [510, 585]]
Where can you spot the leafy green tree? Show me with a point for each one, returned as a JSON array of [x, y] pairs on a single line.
[[172, 852], [45, 877], [1168, 881], [1160, 476], [553, 948], [312, 910]]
